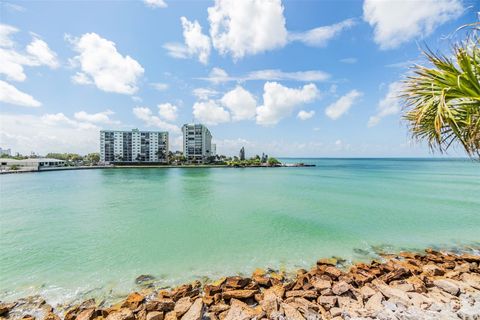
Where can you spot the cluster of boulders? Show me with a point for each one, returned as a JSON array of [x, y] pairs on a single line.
[[405, 286]]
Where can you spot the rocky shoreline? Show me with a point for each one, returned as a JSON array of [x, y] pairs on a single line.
[[433, 285]]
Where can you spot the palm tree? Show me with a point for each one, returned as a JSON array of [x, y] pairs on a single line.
[[442, 101]]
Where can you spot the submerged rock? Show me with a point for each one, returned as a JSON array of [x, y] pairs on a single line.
[[144, 279]]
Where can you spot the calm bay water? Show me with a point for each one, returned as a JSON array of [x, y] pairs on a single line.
[[92, 232]]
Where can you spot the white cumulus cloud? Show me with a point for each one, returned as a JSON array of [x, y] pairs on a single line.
[[210, 112], [155, 3], [10, 94], [146, 115], [204, 93], [42, 54], [320, 36], [101, 64], [47, 133], [168, 111], [396, 22], [305, 115], [196, 43], [241, 103], [280, 101], [247, 27], [389, 105], [12, 60], [342, 105], [99, 117]]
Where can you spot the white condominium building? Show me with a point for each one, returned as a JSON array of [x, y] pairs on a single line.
[[133, 146], [197, 143]]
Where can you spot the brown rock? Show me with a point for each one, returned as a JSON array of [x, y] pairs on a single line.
[[238, 294], [419, 300], [347, 303], [6, 307], [262, 280], [272, 297], [155, 315], [397, 274], [210, 289], [321, 284], [327, 261], [184, 291], [236, 282], [51, 316], [375, 302], [406, 287], [182, 306], [291, 313], [87, 314], [240, 311], [361, 277], [309, 294], [170, 316], [340, 287], [470, 258], [122, 314], [432, 270], [278, 290], [333, 272], [133, 301], [447, 285], [219, 308], [417, 283], [165, 305], [260, 277], [208, 300], [393, 293], [335, 312], [276, 276], [327, 302], [473, 280], [195, 312], [367, 291], [139, 315]]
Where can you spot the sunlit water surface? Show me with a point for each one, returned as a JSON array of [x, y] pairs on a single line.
[[90, 233]]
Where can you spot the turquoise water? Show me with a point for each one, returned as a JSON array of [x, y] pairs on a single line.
[[92, 232]]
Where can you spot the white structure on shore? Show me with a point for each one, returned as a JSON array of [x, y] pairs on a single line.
[[197, 143], [133, 146], [214, 149], [33, 164]]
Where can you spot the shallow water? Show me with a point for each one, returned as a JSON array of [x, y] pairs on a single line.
[[90, 233]]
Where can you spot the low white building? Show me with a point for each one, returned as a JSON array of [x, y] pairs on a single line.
[[34, 164]]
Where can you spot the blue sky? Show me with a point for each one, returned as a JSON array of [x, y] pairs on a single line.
[[291, 78]]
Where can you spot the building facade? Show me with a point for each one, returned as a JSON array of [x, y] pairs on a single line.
[[8, 152], [133, 146], [197, 143], [32, 164], [241, 154]]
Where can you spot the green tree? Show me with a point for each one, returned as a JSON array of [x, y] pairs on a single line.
[[273, 162], [92, 158], [442, 100]]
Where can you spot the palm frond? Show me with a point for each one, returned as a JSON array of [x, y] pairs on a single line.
[[442, 101]]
